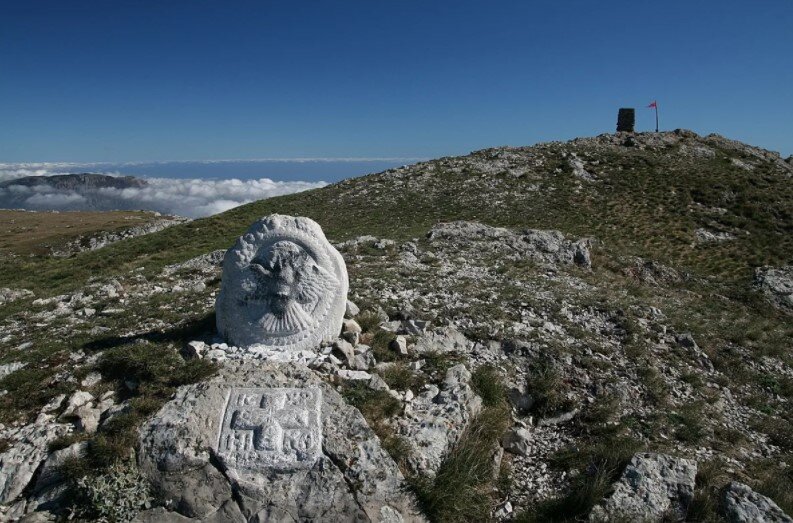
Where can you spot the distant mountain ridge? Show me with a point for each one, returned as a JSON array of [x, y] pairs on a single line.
[[77, 181]]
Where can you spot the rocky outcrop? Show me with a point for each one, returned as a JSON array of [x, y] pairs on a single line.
[[653, 486], [741, 504], [94, 242], [27, 452], [776, 283], [198, 448], [543, 246], [436, 418], [10, 295]]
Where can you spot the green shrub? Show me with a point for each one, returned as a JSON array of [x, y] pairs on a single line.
[[369, 321], [400, 377], [690, 423], [115, 496], [437, 363], [375, 405], [381, 349]]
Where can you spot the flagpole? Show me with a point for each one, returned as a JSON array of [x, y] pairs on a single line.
[[656, 116]]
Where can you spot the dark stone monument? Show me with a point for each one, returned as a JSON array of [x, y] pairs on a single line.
[[626, 119]]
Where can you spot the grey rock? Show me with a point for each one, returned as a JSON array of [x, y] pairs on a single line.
[[10, 295], [352, 478], [91, 243], [436, 418], [504, 510], [87, 418], [687, 342], [353, 375], [28, 450], [194, 350], [415, 327], [160, 515], [744, 505], [517, 441], [76, 400], [400, 345], [216, 355], [707, 236], [8, 368], [38, 517], [776, 283], [351, 326], [377, 383], [391, 326], [91, 379], [50, 490], [351, 331], [556, 420], [652, 486], [443, 339], [544, 246], [353, 338], [114, 411], [364, 361], [521, 400], [351, 310], [344, 350]]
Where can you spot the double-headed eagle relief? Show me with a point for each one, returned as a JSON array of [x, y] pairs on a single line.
[[283, 286], [290, 285]]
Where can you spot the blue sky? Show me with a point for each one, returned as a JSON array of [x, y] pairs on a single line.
[[120, 81]]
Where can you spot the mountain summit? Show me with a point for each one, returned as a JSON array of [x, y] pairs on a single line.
[[597, 329], [77, 182]]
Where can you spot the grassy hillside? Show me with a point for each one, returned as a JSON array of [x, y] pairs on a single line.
[[25, 233], [645, 201]]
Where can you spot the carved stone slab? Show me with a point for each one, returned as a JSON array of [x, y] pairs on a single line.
[[271, 428], [284, 285]]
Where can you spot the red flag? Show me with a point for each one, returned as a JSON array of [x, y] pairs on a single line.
[[653, 104]]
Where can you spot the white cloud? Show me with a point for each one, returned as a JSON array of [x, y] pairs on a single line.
[[185, 197], [199, 197], [55, 199], [9, 171]]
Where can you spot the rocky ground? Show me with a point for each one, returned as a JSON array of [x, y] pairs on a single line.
[[507, 372]]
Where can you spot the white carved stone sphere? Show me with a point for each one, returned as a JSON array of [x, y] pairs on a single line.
[[284, 285]]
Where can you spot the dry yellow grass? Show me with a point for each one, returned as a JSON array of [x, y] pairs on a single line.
[[27, 232]]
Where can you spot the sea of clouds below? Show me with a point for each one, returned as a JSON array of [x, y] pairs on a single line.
[[184, 197]]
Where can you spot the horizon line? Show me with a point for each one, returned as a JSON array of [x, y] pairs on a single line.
[[341, 159]]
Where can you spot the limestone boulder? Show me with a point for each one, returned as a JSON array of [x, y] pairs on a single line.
[[27, 451], [517, 441], [652, 487], [546, 246], [268, 442], [744, 505]]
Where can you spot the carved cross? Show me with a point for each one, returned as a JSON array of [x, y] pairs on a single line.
[[269, 420]]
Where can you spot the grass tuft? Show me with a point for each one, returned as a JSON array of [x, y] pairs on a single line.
[[461, 490], [597, 466]]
